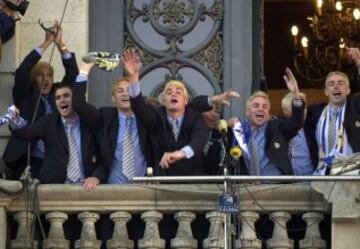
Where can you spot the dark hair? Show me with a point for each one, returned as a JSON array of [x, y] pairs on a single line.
[[61, 85]]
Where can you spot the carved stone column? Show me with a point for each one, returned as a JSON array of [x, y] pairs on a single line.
[[184, 238], [151, 239], [120, 238], [247, 238], [344, 198], [312, 238], [23, 238], [215, 240], [88, 238], [56, 238], [280, 239]]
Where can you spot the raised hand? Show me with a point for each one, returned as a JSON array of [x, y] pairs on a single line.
[[224, 98], [354, 54], [291, 83], [58, 37], [85, 68], [132, 64]]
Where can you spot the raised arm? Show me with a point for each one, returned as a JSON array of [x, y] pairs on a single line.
[[68, 59], [89, 115], [295, 122], [144, 112], [23, 82]]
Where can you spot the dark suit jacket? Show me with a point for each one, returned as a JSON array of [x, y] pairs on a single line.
[[193, 132], [278, 134], [51, 129], [105, 123], [351, 123], [26, 94]]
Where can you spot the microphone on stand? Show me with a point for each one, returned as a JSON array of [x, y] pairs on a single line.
[[222, 128]]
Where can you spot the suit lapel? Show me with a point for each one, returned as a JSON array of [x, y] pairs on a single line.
[[114, 130], [61, 133]]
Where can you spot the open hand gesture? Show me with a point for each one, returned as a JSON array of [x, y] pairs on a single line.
[[224, 98], [132, 64], [354, 54], [291, 83]]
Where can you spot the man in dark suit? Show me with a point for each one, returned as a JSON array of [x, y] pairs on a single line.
[[267, 140], [33, 85], [71, 149], [177, 134], [110, 125], [334, 128]]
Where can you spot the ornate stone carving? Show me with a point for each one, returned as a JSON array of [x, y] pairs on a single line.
[[212, 57], [172, 14], [174, 20]]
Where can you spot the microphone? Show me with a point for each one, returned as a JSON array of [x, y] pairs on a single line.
[[235, 153], [222, 127]]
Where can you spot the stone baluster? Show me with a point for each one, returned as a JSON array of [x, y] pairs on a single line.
[[151, 239], [312, 238], [215, 240], [56, 238], [120, 238], [23, 238], [88, 238], [247, 238], [280, 239], [184, 238]]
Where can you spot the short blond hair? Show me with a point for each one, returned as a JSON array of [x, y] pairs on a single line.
[[286, 101], [117, 83], [257, 94], [177, 83], [38, 67], [346, 78]]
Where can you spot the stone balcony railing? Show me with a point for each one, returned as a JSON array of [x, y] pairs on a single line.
[[186, 201]]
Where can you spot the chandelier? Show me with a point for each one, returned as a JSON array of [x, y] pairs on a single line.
[[334, 26]]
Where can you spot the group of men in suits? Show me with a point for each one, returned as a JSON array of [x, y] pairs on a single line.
[[114, 144], [308, 139]]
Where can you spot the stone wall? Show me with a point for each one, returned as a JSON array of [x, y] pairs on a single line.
[[29, 35]]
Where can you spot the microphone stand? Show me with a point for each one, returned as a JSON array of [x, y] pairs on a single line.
[[227, 219]]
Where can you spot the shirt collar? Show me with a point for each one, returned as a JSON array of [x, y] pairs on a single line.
[[74, 121]]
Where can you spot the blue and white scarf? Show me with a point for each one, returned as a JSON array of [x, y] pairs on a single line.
[[8, 116], [326, 154], [242, 133]]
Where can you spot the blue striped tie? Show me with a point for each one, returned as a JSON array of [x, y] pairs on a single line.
[[254, 154], [332, 130], [128, 152], [175, 128], [73, 167]]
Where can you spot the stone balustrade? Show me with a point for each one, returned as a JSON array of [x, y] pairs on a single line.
[[184, 202]]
